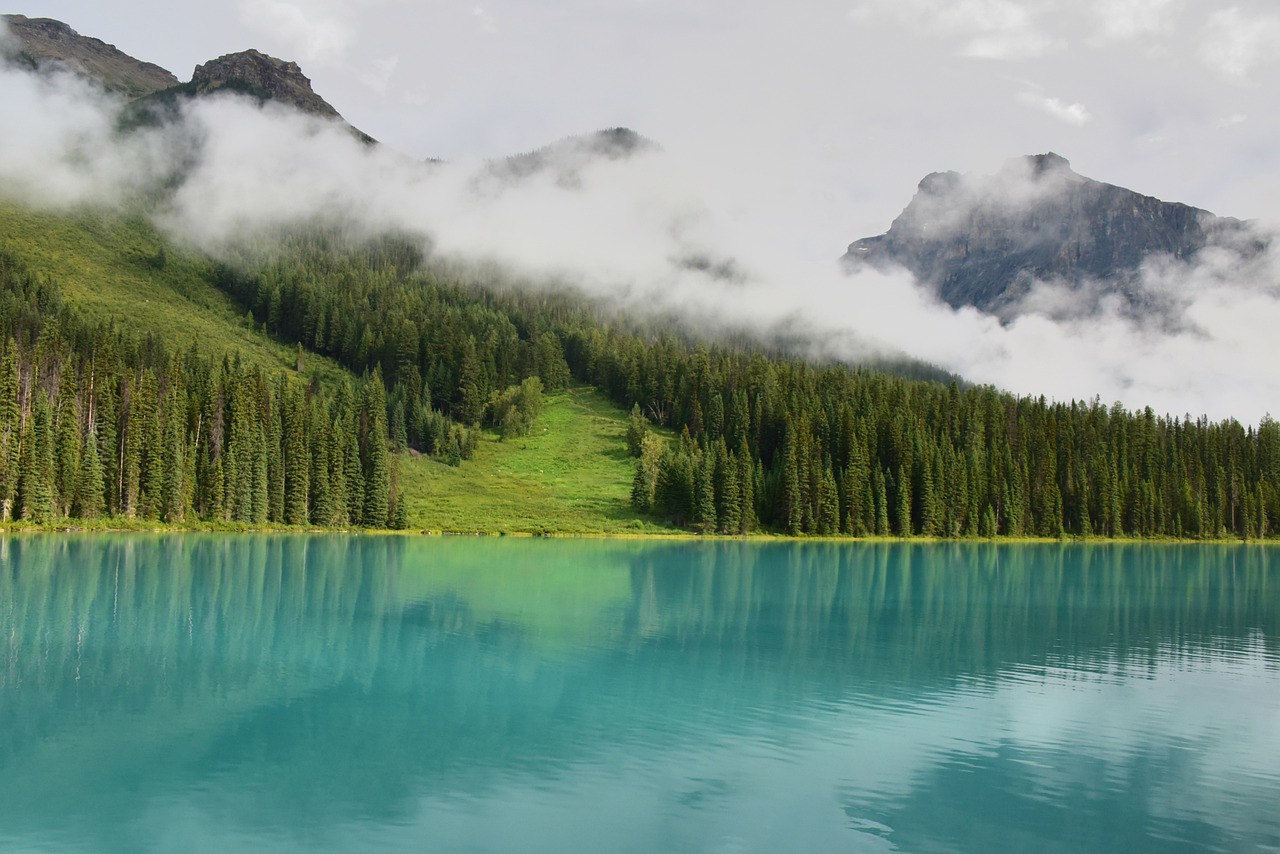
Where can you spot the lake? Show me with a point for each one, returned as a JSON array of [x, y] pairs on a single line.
[[200, 693]]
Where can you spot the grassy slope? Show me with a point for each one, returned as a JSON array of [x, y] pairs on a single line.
[[572, 474], [108, 267]]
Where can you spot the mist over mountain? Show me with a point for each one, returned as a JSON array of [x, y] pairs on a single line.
[[988, 241], [44, 44], [1184, 322]]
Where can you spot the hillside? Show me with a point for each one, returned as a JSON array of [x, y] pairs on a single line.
[[571, 474]]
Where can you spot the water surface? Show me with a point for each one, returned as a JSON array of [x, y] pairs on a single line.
[[338, 693]]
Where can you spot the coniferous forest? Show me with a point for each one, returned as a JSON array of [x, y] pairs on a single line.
[[727, 437]]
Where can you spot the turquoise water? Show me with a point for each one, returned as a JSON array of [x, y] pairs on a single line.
[[334, 693]]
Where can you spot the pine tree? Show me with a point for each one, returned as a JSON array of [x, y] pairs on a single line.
[[87, 503], [66, 446], [10, 429], [37, 470], [705, 500], [881, 496], [321, 500], [902, 517], [828, 506], [746, 483], [297, 459], [377, 471]]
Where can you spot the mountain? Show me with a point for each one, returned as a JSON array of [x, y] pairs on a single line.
[[250, 73], [984, 241], [566, 157], [45, 43], [264, 77], [316, 375]]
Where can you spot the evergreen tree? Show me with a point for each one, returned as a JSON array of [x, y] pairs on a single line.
[[377, 471], [828, 506], [88, 503], [37, 471]]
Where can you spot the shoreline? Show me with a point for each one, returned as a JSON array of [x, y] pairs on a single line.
[[151, 527]]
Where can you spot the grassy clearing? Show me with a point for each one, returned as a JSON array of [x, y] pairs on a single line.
[[571, 474], [117, 268]]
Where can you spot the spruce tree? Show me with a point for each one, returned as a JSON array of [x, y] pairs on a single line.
[[37, 472], [828, 506], [297, 459], [87, 503], [10, 429], [377, 470], [66, 445]]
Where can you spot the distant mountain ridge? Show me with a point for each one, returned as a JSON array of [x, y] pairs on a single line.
[[984, 241], [44, 43]]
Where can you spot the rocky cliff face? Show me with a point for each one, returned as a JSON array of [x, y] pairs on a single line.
[[262, 76], [45, 43], [984, 241]]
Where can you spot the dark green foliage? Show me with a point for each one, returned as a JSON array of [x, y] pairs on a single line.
[[36, 467], [637, 429], [513, 411], [134, 429], [373, 451]]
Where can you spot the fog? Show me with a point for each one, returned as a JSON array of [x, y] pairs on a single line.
[[626, 230]]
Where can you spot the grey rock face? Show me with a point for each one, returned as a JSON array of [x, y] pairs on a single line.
[[984, 241], [265, 76], [45, 43]]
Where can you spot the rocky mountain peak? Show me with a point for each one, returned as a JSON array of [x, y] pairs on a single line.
[[43, 43], [255, 73], [986, 240]]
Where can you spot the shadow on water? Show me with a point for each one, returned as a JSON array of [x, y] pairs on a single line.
[[293, 683]]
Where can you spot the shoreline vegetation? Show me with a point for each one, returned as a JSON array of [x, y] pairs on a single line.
[[143, 526]]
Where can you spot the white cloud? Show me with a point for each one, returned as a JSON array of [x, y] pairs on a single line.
[[1127, 19], [616, 230], [1073, 114], [1236, 42], [313, 30], [378, 76], [987, 29], [487, 23]]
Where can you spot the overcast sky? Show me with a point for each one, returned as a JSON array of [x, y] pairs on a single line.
[[841, 107]]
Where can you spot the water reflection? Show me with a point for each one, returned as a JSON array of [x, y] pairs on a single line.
[[325, 691]]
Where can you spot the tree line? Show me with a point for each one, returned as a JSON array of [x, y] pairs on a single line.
[[96, 421], [765, 440], [755, 438], [828, 449]]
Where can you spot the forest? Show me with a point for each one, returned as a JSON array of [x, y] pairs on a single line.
[[727, 436]]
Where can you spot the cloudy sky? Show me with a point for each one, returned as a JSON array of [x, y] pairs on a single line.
[[843, 105], [789, 130]]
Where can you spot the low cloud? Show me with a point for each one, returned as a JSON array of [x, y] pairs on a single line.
[[1073, 114], [643, 233]]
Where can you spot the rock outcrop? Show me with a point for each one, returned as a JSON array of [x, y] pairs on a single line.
[[265, 77], [44, 43], [984, 241]]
